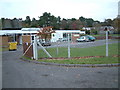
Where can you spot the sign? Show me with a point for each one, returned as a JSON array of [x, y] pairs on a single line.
[[106, 29], [76, 35]]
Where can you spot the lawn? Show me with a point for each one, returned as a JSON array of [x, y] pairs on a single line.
[[105, 35], [79, 52]]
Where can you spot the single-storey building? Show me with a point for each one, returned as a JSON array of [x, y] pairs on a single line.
[[16, 35], [63, 34]]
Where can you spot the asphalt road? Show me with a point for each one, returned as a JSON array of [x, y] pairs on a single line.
[[20, 74], [83, 44]]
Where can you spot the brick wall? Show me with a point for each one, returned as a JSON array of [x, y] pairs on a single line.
[[75, 36], [26, 43], [4, 41]]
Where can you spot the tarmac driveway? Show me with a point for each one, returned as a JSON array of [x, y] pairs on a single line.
[[20, 74]]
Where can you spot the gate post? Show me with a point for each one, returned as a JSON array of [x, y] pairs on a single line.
[[35, 52]]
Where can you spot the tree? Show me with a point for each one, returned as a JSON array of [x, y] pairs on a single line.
[[58, 22], [87, 32], [82, 19], [97, 27], [86, 22], [73, 19], [49, 20], [58, 19], [64, 24], [45, 33], [89, 22], [76, 24], [44, 20], [34, 23], [27, 21], [107, 22], [116, 25]]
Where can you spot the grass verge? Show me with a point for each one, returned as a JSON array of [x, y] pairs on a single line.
[[102, 60], [3, 49]]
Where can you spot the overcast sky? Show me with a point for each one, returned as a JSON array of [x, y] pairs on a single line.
[[96, 9]]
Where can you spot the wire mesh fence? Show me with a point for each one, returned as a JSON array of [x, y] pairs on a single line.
[[79, 49]]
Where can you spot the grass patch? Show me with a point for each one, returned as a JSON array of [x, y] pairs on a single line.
[[105, 35], [27, 58], [79, 52], [3, 49]]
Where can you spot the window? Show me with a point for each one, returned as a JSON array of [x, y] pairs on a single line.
[[53, 35], [64, 35]]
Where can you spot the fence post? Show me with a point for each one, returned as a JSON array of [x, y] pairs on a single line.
[[68, 45], [106, 29]]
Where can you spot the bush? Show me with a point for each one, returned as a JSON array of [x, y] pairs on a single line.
[[87, 32], [95, 32]]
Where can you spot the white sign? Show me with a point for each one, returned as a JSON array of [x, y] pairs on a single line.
[[76, 35]]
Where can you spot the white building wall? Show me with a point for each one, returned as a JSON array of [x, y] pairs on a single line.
[[56, 36], [20, 39]]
